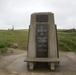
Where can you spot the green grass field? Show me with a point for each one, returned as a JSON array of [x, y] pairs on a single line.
[[7, 37], [66, 39]]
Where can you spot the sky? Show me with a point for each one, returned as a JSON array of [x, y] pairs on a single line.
[[17, 12]]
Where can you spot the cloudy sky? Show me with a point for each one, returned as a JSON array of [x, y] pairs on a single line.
[[17, 12]]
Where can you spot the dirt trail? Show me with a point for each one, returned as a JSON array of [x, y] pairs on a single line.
[[15, 64]]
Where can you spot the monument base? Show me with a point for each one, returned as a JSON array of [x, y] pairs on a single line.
[[52, 62]]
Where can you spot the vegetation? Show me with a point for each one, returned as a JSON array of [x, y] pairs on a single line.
[[7, 37], [66, 39]]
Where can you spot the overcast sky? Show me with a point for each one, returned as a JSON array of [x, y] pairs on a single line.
[[17, 12]]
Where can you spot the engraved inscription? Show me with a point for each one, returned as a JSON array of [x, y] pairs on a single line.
[[41, 40]]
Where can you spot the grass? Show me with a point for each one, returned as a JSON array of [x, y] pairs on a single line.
[[7, 37], [66, 39]]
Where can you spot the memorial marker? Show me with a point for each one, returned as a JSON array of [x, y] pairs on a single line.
[[42, 44]]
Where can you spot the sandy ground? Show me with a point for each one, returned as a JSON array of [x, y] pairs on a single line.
[[14, 64]]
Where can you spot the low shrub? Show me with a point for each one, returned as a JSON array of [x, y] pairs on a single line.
[[3, 46]]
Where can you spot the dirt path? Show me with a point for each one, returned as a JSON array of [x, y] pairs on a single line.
[[15, 64]]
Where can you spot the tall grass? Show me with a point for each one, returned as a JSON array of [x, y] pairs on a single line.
[[67, 40], [7, 37]]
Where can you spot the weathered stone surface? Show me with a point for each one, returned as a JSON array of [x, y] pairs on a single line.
[[52, 41], [42, 36]]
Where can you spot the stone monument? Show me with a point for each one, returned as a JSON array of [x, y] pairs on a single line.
[[42, 43]]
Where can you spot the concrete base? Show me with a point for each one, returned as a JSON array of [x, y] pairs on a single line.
[[51, 61], [52, 66], [31, 66]]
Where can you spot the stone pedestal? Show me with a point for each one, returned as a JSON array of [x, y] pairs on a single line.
[[42, 40]]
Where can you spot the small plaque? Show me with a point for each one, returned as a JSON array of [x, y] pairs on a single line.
[[41, 18]]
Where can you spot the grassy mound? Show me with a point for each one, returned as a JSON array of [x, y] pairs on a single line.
[[7, 37]]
